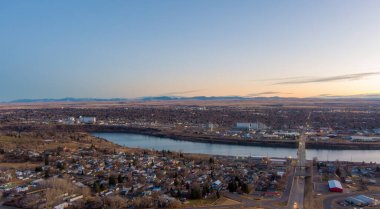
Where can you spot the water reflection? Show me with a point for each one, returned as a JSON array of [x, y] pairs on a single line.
[[149, 142]]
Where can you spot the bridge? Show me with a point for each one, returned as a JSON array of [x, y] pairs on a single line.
[[297, 192]]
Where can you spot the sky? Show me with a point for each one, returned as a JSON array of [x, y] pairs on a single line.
[[129, 49]]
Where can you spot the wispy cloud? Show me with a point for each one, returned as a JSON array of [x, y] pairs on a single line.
[[356, 76], [372, 95], [325, 95], [178, 93], [280, 79], [267, 93]]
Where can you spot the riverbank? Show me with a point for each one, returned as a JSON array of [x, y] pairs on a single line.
[[234, 141], [198, 138]]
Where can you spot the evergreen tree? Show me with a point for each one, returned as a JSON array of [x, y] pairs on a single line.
[[47, 174], [120, 178], [217, 194], [102, 187], [112, 181], [232, 187], [38, 169], [46, 159], [195, 192]]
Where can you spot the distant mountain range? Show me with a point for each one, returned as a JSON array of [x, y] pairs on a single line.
[[68, 99], [205, 98], [178, 98], [158, 98]]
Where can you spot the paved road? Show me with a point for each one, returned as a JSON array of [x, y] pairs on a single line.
[[298, 188], [297, 193]]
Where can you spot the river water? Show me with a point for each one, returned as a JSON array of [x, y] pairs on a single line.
[[157, 143]]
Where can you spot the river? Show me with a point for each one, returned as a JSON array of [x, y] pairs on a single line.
[[157, 143]]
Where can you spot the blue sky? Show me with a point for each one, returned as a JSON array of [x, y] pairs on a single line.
[[54, 49]]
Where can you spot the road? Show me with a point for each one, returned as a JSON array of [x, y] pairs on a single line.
[[296, 199], [298, 187]]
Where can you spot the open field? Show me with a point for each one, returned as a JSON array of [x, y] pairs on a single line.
[[268, 102]]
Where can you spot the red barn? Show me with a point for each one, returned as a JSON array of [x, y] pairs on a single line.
[[335, 186]]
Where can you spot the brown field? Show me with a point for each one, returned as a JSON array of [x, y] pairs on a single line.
[[26, 165], [299, 103]]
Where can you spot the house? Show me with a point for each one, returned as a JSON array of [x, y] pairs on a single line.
[[216, 185]]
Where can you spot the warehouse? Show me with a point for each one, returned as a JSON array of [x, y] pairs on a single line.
[[368, 200], [354, 201], [335, 186], [362, 200]]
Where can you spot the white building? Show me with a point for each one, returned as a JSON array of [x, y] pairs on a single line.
[[365, 138], [70, 121], [377, 130], [251, 126], [87, 120], [287, 134]]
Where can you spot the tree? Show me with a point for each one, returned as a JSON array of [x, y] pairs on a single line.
[[119, 178], [38, 169], [47, 174], [46, 159], [232, 186], [112, 181], [217, 194], [94, 203], [60, 165], [245, 188], [205, 189], [102, 187], [338, 172], [196, 192], [115, 202], [96, 187]]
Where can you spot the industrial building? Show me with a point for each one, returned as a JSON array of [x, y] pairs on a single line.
[[251, 126], [335, 186], [87, 120], [362, 200], [364, 138]]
